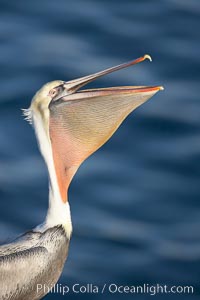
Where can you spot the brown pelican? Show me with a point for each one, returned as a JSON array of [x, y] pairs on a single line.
[[70, 124]]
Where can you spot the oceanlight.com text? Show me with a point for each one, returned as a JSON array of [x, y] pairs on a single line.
[[113, 288]]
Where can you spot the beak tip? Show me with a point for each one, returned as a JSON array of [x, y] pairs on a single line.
[[147, 56]]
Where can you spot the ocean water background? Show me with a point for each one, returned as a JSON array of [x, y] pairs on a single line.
[[136, 202]]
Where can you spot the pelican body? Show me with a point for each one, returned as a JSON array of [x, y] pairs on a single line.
[[70, 124]]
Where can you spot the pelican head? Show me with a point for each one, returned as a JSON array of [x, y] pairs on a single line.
[[71, 123]]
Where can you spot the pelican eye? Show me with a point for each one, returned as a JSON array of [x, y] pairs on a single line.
[[55, 91]]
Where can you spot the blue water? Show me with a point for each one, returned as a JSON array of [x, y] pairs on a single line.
[[136, 202]]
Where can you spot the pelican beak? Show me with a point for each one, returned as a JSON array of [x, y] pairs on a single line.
[[92, 116], [72, 86]]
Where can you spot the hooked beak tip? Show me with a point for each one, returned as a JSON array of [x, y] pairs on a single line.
[[147, 56]]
